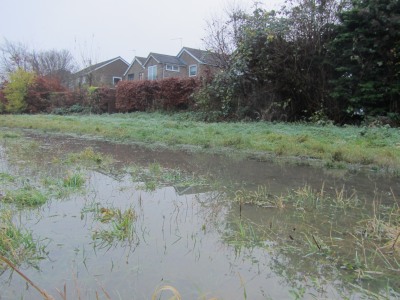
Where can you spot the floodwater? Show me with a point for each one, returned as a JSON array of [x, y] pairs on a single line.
[[192, 237]]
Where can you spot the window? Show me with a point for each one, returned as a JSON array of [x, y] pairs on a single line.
[[174, 68], [131, 76], [141, 76], [193, 70], [116, 80], [152, 73]]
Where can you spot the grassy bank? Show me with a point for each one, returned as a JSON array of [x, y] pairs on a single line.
[[377, 147]]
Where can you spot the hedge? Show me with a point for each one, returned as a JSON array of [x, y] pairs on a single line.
[[167, 94], [47, 95]]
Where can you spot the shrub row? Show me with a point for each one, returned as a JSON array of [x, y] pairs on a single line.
[[49, 96], [40, 94], [166, 94]]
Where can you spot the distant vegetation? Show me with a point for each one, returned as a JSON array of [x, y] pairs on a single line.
[[316, 61]]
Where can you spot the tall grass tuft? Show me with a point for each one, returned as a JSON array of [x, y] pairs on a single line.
[[73, 180]]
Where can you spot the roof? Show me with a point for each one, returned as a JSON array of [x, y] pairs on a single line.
[[165, 59], [99, 66], [202, 56], [139, 59]]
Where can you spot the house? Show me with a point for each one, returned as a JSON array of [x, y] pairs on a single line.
[[136, 69], [106, 73], [189, 62], [200, 62], [159, 66]]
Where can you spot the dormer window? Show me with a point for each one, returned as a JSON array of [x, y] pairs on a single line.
[[174, 68]]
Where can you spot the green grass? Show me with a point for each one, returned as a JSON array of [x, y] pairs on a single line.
[[154, 176], [301, 198], [25, 196], [16, 243], [4, 177], [89, 157], [378, 147], [261, 197], [73, 180], [114, 226]]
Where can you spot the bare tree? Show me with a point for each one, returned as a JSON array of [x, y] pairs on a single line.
[[14, 56], [88, 58], [58, 64], [222, 33]]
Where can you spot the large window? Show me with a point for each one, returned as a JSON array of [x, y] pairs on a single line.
[[131, 76], [172, 68], [193, 70], [141, 76], [152, 73]]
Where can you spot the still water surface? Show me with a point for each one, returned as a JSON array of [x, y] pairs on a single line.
[[193, 238]]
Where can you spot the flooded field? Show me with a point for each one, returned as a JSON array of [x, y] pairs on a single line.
[[87, 219]]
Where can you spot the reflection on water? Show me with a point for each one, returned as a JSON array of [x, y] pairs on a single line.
[[189, 237]]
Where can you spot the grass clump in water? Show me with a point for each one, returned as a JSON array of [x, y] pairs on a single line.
[[307, 197], [73, 180], [383, 226], [301, 198], [4, 177], [9, 135], [155, 175], [115, 225], [17, 244], [89, 157], [260, 197], [25, 196]]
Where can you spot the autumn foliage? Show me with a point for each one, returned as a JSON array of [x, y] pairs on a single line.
[[40, 93], [166, 94], [45, 94]]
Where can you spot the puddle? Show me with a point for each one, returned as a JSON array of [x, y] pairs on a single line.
[[188, 232]]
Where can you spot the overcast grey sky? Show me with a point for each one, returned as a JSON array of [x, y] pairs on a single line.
[[105, 29]]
